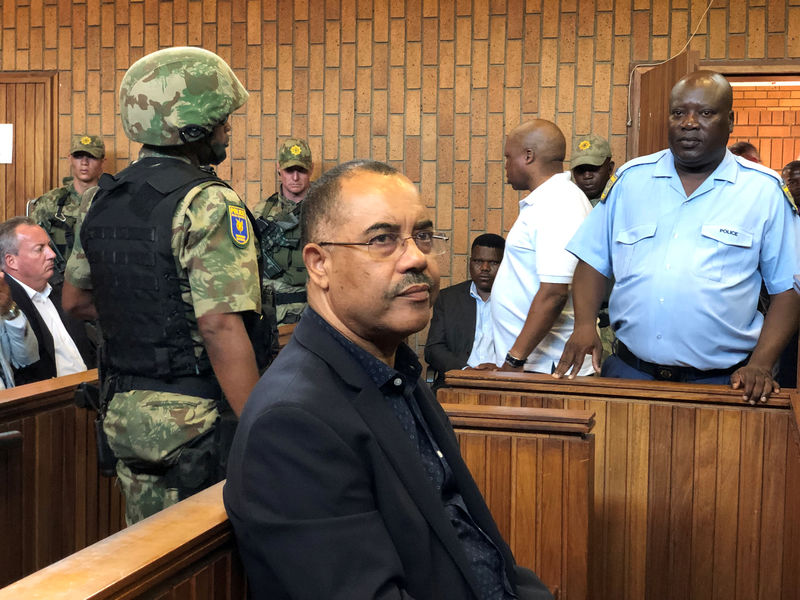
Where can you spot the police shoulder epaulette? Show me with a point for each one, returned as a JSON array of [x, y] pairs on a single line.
[[648, 159], [754, 166], [789, 198]]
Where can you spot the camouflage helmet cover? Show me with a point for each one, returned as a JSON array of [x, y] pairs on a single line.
[[174, 88]]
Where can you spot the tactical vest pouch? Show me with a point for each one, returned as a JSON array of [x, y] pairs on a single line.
[[203, 461], [196, 466]]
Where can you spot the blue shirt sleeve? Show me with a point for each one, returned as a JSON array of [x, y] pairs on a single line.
[[592, 242], [778, 264]]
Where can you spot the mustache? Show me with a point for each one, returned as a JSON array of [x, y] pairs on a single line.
[[408, 280]]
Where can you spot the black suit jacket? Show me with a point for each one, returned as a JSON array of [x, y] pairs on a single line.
[[452, 331], [45, 367], [328, 497]]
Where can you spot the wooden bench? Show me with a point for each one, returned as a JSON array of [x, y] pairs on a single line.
[[535, 467], [696, 494], [52, 499]]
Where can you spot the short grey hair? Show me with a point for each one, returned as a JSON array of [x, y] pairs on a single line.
[[9, 243]]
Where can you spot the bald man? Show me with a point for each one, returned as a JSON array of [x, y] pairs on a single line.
[[688, 233], [532, 315]]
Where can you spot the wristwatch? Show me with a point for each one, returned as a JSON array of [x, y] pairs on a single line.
[[12, 313], [515, 362]]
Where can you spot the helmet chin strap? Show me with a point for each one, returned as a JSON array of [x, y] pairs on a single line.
[[218, 151]]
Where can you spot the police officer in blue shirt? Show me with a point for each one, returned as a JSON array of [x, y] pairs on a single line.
[[688, 233]]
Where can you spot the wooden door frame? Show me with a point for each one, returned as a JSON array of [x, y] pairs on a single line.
[[50, 81], [735, 69]]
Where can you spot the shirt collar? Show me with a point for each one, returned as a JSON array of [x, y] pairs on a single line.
[[407, 365], [473, 291], [727, 170], [542, 190], [32, 293]]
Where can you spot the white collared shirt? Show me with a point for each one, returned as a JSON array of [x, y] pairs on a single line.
[[68, 359], [535, 253], [483, 346]]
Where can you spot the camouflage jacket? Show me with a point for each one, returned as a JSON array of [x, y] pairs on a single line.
[[217, 275], [61, 225], [284, 273]]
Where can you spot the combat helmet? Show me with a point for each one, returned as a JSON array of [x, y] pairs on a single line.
[[177, 95]]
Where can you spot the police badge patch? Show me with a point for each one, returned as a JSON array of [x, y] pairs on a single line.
[[239, 225]]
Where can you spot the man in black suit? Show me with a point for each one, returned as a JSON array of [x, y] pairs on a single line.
[[345, 478], [460, 334], [27, 260]]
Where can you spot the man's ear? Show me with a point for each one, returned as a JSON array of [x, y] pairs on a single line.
[[611, 166], [530, 156], [318, 264], [9, 262]]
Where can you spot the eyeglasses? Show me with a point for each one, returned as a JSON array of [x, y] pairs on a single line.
[[386, 244]]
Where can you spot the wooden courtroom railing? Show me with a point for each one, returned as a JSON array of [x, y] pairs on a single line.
[[52, 499], [540, 461], [695, 493], [535, 469]]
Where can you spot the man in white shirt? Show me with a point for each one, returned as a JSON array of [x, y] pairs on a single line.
[[18, 346], [531, 302], [27, 260], [461, 333]]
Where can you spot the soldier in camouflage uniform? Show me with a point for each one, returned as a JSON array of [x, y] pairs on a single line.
[[278, 217], [57, 210], [168, 353]]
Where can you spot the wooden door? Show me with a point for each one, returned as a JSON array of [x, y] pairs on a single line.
[[27, 101], [652, 108]]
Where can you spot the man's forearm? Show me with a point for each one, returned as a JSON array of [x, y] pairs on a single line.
[[231, 355], [780, 322], [588, 290], [78, 303], [547, 304]]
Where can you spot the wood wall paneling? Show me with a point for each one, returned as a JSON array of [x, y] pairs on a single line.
[[693, 497], [537, 484], [52, 500], [433, 89]]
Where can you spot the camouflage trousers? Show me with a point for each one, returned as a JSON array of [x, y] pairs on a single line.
[[150, 426]]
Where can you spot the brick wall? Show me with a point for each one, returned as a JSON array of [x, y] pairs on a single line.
[[769, 118], [428, 86]]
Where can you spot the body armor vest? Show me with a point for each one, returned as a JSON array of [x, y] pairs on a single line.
[[280, 245], [137, 288]]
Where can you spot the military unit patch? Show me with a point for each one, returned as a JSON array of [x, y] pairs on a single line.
[[239, 225]]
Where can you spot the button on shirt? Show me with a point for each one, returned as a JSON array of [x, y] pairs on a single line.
[[68, 359], [400, 389], [535, 253], [483, 346], [688, 270]]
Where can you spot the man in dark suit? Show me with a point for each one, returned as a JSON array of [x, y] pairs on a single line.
[[460, 334], [27, 260], [345, 478]]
